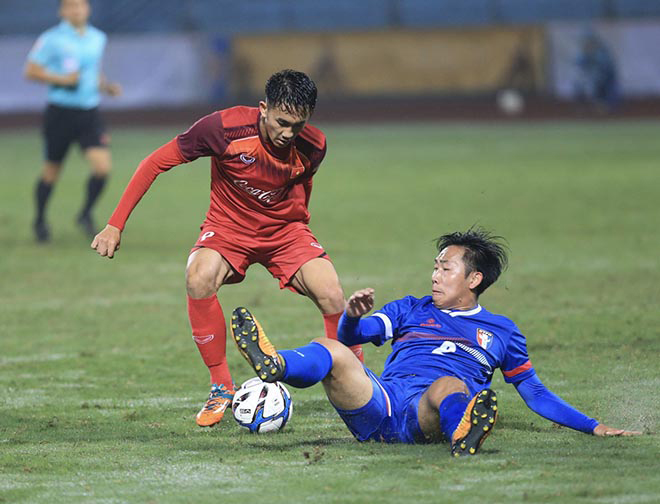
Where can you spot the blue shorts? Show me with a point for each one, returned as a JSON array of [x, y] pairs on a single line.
[[390, 416]]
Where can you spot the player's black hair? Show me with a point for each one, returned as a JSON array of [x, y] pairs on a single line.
[[293, 91], [484, 252]]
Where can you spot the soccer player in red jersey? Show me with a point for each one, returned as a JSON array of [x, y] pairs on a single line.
[[262, 163]]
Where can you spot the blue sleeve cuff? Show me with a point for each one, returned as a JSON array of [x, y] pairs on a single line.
[[356, 330]]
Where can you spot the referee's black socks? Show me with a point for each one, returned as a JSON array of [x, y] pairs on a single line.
[[95, 186], [42, 194]]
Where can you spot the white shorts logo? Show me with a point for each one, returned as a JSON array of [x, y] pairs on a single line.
[[317, 245], [206, 235]]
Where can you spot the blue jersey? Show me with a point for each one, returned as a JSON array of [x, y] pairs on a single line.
[[428, 342], [63, 50]]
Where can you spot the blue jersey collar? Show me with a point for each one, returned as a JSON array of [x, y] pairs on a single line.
[[463, 313]]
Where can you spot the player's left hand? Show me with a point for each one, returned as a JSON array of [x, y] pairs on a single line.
[[604, 430], [360, 302]]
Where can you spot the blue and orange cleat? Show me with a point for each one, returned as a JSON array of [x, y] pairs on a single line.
[[212, 412], [476, 425], [255, 347]]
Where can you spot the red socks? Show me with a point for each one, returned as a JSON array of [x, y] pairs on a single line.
[[209, 333], [331, 322]]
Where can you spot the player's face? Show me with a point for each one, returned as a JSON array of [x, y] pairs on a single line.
[[451, 289], [75, 12], [280, 127]]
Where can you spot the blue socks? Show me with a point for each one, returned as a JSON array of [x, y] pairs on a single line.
[[306, 365], [451, 411]]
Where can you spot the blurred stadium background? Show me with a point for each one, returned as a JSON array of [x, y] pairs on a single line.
[[371, 58], [99, 379]]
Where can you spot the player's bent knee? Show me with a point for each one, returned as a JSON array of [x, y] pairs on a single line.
[[330, 298], [102, 171], [51, 172], [342, 356], [443, 387], [200, 282], [331, 345]]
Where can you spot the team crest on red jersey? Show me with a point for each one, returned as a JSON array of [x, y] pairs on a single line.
[[247, 159], [484, 338]]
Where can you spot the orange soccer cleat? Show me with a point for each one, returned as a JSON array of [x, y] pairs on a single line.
[[255, 346], [212, 412], [476, 425]]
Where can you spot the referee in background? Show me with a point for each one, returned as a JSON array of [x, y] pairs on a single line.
[[67, 58]]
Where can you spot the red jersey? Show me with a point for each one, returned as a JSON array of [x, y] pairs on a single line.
[[254, 185]]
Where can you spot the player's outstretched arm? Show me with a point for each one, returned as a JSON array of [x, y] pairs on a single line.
[[106, 243], [547, 404], [604, 430], [354, 330], [360, 303]]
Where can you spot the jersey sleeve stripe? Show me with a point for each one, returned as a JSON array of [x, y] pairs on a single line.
[[520, 369], [388, 324]]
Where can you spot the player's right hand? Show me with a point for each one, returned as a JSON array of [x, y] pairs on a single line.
[[69, 80], [107, 241], [604, 430], [360, 302]]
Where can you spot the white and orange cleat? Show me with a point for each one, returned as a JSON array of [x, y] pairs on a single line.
[[212, 412]]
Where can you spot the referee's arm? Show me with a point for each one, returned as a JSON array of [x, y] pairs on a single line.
[[36, 72]]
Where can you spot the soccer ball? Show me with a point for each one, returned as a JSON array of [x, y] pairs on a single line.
[[262, 407], [510, 101]]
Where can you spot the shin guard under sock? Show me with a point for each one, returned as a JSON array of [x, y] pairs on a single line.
[[95, 186], [306, 365], [41, 195], [451, 411], [209, 333]]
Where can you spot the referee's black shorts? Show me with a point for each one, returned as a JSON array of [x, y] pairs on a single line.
[[65, 125]]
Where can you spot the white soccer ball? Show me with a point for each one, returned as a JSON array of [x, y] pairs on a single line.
[[510, 101], [262, 407]]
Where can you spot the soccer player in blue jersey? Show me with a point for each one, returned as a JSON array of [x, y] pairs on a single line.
[[445, 348], [67, 58]]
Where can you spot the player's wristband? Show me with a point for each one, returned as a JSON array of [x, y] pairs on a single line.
[[356, 330], [348, 330]]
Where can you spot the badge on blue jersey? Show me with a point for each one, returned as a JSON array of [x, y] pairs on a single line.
[[484, 338]]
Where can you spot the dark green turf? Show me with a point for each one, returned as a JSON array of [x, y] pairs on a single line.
[[100, 380]]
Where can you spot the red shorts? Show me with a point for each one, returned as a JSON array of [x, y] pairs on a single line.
[[282, 252]]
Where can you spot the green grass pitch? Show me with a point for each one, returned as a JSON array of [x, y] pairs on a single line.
[[100, 380]]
